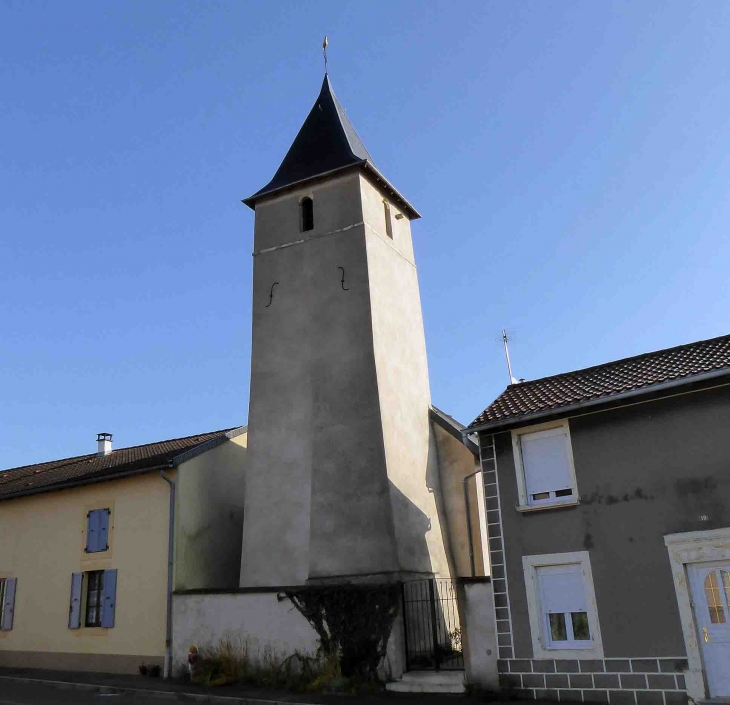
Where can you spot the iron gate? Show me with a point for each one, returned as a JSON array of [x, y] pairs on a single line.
[[432, 625]]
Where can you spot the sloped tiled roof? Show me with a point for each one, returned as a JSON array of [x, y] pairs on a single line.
[[608, 380], [92, 468]]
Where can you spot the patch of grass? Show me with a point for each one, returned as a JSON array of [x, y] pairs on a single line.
[[231, 661]]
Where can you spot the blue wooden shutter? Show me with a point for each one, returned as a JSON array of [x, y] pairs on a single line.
[[97, 530], [92, 531], [103, 533], [8, 604], [74, 610], [109, 598]]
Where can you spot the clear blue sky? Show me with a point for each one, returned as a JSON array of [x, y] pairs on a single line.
[[570, 160]]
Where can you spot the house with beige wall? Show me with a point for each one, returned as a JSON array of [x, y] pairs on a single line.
[[86, 544]]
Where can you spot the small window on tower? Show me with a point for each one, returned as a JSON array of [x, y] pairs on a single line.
[[388, 223], [307, 214]]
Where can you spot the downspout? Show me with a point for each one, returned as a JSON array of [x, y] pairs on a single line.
[[170, 556], [468, 520]]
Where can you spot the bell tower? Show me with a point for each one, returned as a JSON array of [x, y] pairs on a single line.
[[341, 482]]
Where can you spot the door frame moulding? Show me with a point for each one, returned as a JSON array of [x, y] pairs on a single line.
[[684, 549]]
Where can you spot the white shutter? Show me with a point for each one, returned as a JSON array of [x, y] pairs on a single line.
[[562, 589], [545, 461]]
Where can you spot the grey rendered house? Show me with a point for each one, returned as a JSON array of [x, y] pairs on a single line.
[[608, 509]]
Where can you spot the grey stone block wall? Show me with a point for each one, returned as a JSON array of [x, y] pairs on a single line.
[[644, 681], [618, 681]]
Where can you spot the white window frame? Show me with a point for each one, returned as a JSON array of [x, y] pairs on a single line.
[[525, 505], [538, 624]]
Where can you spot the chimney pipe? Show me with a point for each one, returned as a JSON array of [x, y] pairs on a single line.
[[104, 443]]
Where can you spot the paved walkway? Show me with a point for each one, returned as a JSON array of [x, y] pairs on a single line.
[[16, 684]]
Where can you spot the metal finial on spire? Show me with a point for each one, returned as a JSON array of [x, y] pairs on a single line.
[[324, 52]]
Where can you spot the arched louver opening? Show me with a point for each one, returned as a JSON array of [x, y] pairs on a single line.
[[307, 214], [388, 222]]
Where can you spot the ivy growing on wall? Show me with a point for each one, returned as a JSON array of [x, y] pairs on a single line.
[[353, 622]]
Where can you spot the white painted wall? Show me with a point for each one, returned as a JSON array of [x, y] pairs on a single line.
[[480, 635], [268, 625]]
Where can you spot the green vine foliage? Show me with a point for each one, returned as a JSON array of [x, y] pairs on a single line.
[[353, 623]]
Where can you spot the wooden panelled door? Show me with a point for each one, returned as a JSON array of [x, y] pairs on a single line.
[[710, 586]]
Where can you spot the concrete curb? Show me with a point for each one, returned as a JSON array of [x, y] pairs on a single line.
[[170, 694]]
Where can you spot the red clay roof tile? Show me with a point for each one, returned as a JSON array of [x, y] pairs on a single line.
[[57, 473], [607, 380]]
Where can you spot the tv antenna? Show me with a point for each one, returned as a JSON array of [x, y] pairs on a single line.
[[505, 340]]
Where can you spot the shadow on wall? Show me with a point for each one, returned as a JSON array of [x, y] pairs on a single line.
[[433, 482], [210, 525], [450, 462], [228, 568], [413, 552]]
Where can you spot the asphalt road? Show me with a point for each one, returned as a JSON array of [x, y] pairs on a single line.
[[19, 693], [36, 694]]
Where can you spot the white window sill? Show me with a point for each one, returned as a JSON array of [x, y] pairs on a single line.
[[575, 653], [525, 508], [571, 645]]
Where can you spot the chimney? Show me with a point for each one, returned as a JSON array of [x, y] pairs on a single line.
[[104, 443]]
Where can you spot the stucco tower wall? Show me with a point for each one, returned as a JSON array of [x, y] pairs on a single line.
[[403, 385], [316, 490]]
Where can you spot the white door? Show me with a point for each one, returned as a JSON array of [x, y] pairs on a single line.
[[710, 585]]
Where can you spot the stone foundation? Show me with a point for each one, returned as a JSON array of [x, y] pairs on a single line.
[[619, 681], [63, 661]]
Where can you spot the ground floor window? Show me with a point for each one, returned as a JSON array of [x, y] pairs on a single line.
[[94, 592], [93, 599], [562, 605]]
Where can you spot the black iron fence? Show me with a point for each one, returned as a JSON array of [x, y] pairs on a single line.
[[432, 625]]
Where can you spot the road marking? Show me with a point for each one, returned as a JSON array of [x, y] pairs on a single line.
[[9, 702]]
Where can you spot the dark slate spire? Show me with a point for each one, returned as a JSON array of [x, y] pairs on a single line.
[[326, 142]]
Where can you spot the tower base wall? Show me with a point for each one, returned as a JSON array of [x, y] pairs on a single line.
[[266, 625]]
